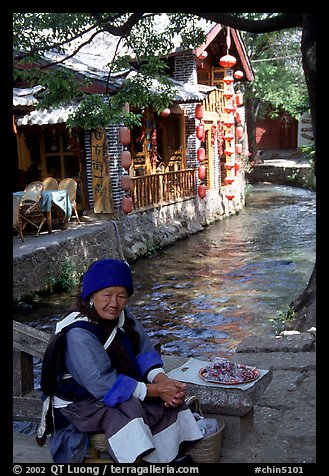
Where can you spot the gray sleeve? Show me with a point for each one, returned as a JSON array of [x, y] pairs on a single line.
[[88, 362]]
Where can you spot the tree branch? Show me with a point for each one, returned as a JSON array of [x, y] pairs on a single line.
[[280, 22], [122, 30]]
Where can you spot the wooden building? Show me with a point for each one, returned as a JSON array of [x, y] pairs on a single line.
[[166, 159]]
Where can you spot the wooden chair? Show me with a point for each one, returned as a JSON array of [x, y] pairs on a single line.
[[29, 209], [49, 183], [70, 185], [17, 220]]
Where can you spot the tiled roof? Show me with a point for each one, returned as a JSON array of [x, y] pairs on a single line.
[[46, 116], [25, 96]]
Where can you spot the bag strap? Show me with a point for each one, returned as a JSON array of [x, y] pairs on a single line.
[[194, 404]]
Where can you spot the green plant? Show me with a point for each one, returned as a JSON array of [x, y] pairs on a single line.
[[281, 319]]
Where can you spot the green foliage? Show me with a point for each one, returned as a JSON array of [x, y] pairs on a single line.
[[281, 319]]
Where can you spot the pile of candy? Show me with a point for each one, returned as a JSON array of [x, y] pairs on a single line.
[[224, 371]]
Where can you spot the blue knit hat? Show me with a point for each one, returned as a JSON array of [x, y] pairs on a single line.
[[104, 273]]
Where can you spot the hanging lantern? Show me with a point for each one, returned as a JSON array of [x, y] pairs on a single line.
[[238, 74], [229, 196], [239, 115], [202, 172], [201, 154], [228, 120], [239, 98], [239, 132], [200, 131], [227, 61], [127, 204], [238, 148], [229, 151], [228, 180], [228, 79], [126, 182], [203, 55], [124, 135], [229, 135], [229, 107], [125, 158], [229, 93], [202, 190], [165, 112], [228, 166], [199, 111], [237, 167]]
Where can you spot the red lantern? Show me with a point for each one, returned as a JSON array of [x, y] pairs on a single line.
[[200, 131], [124, 135], [165, 112], [125, 158], [228, 79], [227, 61], [228, 166], [126, 182], [239, 99], [239, 132], [127, 204], [202, 190], [238, 74], [229, 135], [202, 172], [237, 167], [239, 115], [229, 196], [199, 111], [228, 180], [228, 120], [229, 151], [201, 154], [238, 148], [203, 55]]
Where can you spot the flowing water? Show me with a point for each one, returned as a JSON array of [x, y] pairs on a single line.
[[206, 293]]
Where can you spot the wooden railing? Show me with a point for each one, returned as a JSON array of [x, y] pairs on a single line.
[[149, 191], [28, 343]]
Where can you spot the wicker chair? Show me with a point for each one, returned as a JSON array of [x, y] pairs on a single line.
[[70, 185], [29, 209], [49, 183]]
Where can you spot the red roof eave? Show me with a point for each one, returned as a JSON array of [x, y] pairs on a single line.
[[210, 36], [243, 55]]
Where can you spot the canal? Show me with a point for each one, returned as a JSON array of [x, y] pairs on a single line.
[[204, 295]]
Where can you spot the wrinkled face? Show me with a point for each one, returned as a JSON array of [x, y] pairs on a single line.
[[110, 301]]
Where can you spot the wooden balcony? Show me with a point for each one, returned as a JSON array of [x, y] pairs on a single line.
[[149, 191]]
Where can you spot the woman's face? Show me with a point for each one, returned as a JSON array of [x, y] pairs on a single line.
[[109, 302]]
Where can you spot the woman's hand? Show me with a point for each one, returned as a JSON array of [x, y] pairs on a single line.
[[171, 391]]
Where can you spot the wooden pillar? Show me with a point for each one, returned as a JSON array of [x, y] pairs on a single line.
[[22, 373]]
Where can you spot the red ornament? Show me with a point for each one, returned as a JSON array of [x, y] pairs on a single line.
[[124, 135], [238, 74], [228, 166], [126, 182], [201, 154], [202, 190], [165, 112], [229, 151], [202, 172], [127, 204], [228, 79], [229, 196], [239, 132], [239, 115], [239, 99], [227, 61], [125, 158], [203, 55], [200, 131], [199, 111], [228, 180], [238, 148]]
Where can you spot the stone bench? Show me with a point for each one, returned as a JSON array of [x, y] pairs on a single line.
[[233, 405]]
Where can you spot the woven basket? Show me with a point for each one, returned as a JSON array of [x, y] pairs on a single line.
[[208, 449]]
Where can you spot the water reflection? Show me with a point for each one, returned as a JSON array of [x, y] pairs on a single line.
[[202, 296]]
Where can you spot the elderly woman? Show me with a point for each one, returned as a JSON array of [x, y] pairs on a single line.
[[114, 381]]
